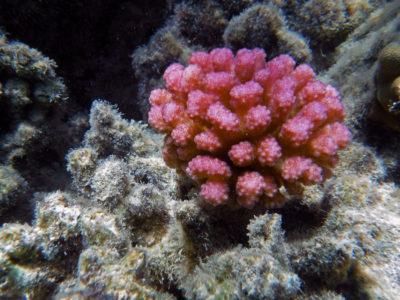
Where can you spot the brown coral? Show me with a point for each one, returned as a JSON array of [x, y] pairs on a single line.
[[388, 78]]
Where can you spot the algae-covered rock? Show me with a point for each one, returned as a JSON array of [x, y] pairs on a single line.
[[36, 128], [237, 272], [12, 187]]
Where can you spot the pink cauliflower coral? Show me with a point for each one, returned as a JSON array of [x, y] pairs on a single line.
[[238, 124]]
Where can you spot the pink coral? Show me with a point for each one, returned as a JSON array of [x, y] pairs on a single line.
[[242, 154], [268, 151], [215, 192], [241, 126], [249, 187]]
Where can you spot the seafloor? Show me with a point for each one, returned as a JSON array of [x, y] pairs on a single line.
[[88, 208]]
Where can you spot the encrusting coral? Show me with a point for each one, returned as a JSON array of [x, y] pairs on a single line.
[[328, 22], [388, 78], [264, 25], [240, 123]]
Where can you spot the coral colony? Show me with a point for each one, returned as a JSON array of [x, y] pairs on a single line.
[[240, 123]]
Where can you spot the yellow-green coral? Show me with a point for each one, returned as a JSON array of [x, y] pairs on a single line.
[[388, 78]]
